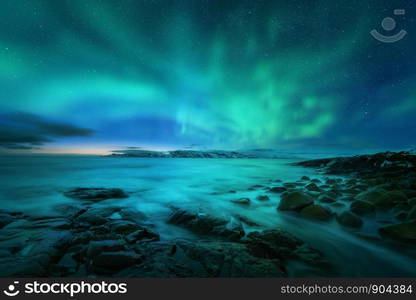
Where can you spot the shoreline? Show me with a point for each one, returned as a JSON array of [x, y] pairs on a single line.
[[82, 239]]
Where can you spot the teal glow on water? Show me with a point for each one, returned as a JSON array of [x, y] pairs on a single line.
[[34, 184]]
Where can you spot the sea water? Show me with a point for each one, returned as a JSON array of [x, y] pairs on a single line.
[[34, 184]]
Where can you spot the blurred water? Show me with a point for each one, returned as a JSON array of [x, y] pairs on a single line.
[[34, 184]]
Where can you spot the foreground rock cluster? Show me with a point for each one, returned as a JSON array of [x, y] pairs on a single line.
[[91, 240], [380, 183]]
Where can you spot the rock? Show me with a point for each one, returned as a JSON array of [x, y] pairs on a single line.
[[70, 210], [349, 219], [110, 262], [351, 181], [361, 207], [278, 244], [352, 191], [312, 187], [87, 219], [337, 204], [123, 227], [242, 201], [263, 198], [95, 194], [403, 232], [409, 193], [277, 189], [315, 180], [330, 181], [305, 178], [205, 224], [294, 200], [142, 234], [373, 195], [246, 220], [316, 212], [96, 247], [412, 202], [326, 199], [412, 214], [67, 263], [5, 219], [390, 199], [133, 215], [255, 187]]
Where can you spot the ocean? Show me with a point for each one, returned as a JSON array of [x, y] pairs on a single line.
[[34, 184]]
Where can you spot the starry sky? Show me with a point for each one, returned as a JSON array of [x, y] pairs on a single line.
[[89, 76]]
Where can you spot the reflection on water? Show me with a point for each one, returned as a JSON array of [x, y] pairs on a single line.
[[34, 184]]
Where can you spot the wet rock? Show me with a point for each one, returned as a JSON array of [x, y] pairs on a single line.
[[352, 191], [262, 198], [88, 219], [337, 204], [316, 212], [111, 262], [305, 178], [96, 247], [294, 200], [242, 201], [312, 187], [67, 263], [271, 244], [390, 199], [142, 234], [278, 189], [349, 219], [372, 195], [123, 227], [70, 210], [95, 194], [403, 232], [412, 214], [412, 202], [326, 199], [205, 224], [5, 219], [246, 220], [255, 187], [316, 180], [361, 207]]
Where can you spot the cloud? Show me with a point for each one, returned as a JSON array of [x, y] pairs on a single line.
[[24, 131]]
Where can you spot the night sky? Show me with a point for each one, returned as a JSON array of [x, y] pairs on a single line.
[[90, 76]]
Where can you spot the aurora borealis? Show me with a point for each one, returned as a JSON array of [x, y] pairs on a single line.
[[90, 74]]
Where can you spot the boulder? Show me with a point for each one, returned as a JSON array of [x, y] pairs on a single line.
[[316, 212], [142, 234], [110, 262], [412, 214], [205, 224], [278, 189], [242, 201], [326, 199], [403, 232], [263, 198], [372, 195], [390, 199], [294, 200], [95, 194], [312, 187], [5, 219], [96, 247], [349, 219], [361, 207], [305, 178]]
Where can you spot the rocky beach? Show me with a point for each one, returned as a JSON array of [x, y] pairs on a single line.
[[369, 198]]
